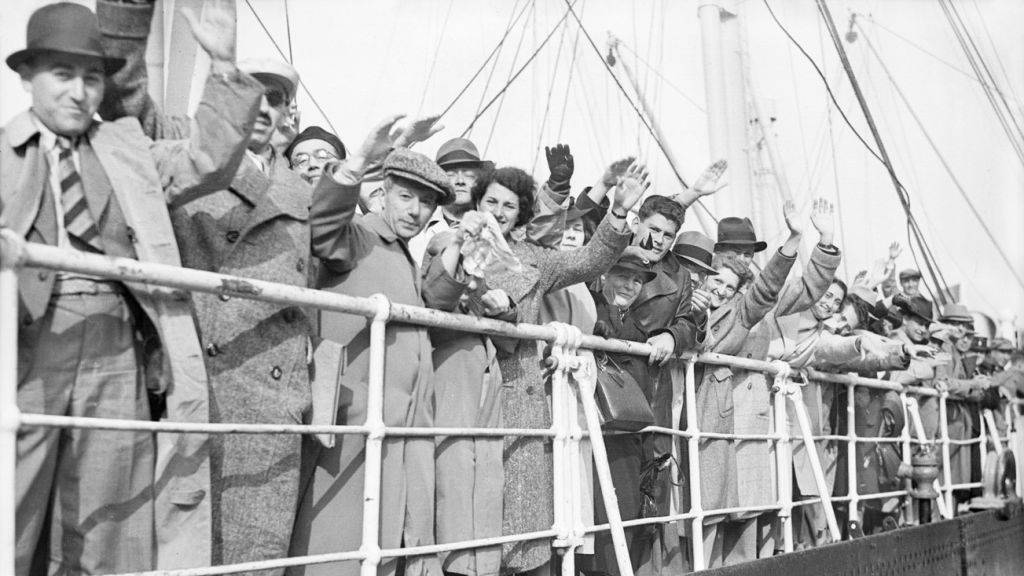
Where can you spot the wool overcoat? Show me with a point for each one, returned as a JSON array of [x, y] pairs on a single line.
[[468, 471], [728, 328], [256, 352], [362, 256], [525, 402], [751, 392]]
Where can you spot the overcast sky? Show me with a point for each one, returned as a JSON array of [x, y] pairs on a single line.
[[363, 60]]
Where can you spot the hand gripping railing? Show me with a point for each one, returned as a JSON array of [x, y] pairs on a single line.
[[570, 388]]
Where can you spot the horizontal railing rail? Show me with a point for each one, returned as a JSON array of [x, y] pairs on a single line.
[[565, 432]]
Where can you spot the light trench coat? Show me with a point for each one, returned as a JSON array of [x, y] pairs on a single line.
[[728, 328], [752, 392]]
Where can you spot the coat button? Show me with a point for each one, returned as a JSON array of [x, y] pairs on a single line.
[[275, 372], [26, 320], [291, 315], [232, 236], [529, 390], [300, 265], [131, 235], [43, 275], [212, 349], [224, 297]]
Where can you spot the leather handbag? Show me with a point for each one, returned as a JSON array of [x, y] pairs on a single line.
[[621, 400]]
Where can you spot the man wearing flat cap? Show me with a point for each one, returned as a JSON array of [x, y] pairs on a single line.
[[255, 226], [103, 499], [362, 255], [462, 164]]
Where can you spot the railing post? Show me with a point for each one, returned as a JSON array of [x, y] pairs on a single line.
[[9, 414], [795, 395], [947, 473], [575, 476], [853, 512], [783, 463], [559, 426], [374, 438], [693, 443]]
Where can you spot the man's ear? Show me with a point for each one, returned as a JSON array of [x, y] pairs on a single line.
[[26, 71]]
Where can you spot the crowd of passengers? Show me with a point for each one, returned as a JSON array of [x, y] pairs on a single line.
[[238, 189]]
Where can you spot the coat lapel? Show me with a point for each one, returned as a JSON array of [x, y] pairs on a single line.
[[664, 284], [518, 284], [25, 177], [269, 200], [94, 182]]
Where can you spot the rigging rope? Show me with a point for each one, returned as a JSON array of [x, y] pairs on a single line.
[[639, 114], [283, 55], [288, 29], [665, 80], [518, 72], [942, 160], [494, 51], [568, 83], [515, 58], [433, 61], [1017, 147], [551, 91]]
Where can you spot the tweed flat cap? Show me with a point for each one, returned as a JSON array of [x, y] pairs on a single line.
[[415, 167], [909, 274]]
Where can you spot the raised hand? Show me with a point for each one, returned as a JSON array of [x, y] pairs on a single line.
[[631, 188], [216, 29], [616, 171], [416, 131], [710, 180], [823, 220], [792, 217], [560, 162], [894, 251], [378, 142]]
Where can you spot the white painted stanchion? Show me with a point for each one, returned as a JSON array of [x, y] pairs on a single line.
[[795, 395], [375, 438], [947, 472], [853, 512], [693, 444], [10, 254], [909, 510], [997, 442], [783, 455]]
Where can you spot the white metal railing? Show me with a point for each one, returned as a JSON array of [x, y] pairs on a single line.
[[568, 530]]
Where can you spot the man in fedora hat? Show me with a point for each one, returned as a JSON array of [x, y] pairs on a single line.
[[362, 255], [461, 161], [736, 236], [71, 181]]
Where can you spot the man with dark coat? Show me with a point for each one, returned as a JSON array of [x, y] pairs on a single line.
[[70, 181], [256, 352], [362, 255]]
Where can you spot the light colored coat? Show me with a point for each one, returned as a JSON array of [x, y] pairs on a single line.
[[468, 471], [525, 404], [362, 256], [751, 393], [728, 328], [146, 176]]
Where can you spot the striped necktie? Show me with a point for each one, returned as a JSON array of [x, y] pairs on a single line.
[[78, 221]]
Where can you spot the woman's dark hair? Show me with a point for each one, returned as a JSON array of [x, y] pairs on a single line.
[[862, 309], [515, 179], [842, 285]]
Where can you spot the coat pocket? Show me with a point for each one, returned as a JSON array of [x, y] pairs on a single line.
[[721, 379]]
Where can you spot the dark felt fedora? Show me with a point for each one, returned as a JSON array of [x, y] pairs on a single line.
[[635, 264], [696, 249], [735, 232], [64, 28], [460, 152]]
